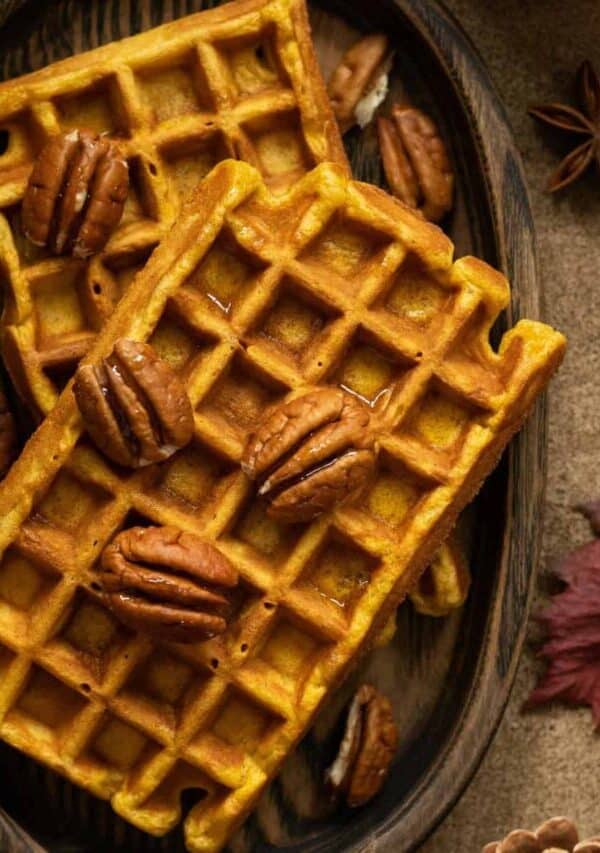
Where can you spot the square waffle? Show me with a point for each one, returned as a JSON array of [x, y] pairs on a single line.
[[239, 81], [337, 283]]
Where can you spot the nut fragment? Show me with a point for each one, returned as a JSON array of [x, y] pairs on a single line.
[[76, 194], [168, 583], [557, 835], [367, 748], [8, 435], [557, 832], [134, 405], [415, 161], [311, 454], [519, 841], [359, 72]]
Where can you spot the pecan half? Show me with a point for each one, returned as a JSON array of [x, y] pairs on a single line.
[[415, 161], [76, 194], [367, 748], [8, 435], [311, 454], [168, 583], [134, 405], [358, 73]]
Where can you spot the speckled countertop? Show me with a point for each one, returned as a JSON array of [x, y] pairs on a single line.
[[546, 763]]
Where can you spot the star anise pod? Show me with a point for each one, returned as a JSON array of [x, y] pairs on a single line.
[[585, 122]]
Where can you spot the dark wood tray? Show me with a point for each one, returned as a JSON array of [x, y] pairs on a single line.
[[449, 679]]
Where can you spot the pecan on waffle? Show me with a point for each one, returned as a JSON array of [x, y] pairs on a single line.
[[239, 81], [338, 285]]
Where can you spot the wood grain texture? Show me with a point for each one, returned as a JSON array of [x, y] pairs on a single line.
[[7, 7], [450, 679], [13, 839]]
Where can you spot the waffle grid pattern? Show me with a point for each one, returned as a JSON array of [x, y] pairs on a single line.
[[240, 82], [377, 306]]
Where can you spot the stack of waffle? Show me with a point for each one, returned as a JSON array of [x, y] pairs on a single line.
[[265, 288], [239, 81]]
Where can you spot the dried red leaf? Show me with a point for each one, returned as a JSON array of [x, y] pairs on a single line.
[[572, 621]]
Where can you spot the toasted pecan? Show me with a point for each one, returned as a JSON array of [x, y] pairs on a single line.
[[367, 748], [415, 161], [355, 74], [134, 405], [76, 194], [311, 453], [167, 582]]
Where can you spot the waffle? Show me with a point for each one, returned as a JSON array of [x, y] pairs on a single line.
[[239, 81], [444, 585], [442, 588], [337, 283]]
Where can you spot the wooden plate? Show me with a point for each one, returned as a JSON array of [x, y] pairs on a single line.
[[449, 679]]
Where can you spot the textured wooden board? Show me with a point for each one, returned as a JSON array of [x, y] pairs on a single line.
[[449, 679]]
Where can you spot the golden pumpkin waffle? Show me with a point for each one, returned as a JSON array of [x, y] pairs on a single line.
[[239, 81], [332, 282], [444, 585], [442, 588]]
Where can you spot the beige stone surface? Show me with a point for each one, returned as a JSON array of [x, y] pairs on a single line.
[[547, 762]]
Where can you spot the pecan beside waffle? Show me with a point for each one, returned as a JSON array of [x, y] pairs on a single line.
[[311, 454], [76, 194], [415, 161], [134, 406], [356, 73], [367, 749], [168, 583]]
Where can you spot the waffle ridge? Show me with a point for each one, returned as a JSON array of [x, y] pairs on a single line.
[[238, 81], [377, 305]]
